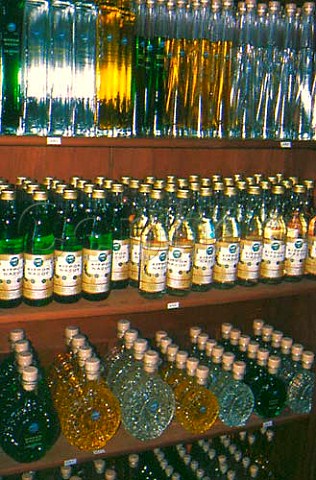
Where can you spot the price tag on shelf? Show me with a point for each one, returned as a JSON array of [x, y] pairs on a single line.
[[99, 452], [71, 461], [267, 424], [172, 305], [286, 144], [53, 141]]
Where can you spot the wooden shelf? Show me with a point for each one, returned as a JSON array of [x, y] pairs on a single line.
[[123, 444]]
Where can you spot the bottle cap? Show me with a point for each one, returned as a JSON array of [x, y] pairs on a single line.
[[21, 346], [244, 342], [24, 359], [84, 353], [133, 460], [228, 358], [159, 335], [130, 336], [16, 334], [172, 351], [70, 332], [226, 328], [194, 333], [181, 358], [92, 366], [99, 465], [78, 341], [277, 336], [217, 352], [164, 343], [210, 344], [201, 340], [39, 196], [65, 472], [191, 365], [139, 347], [122, 326], [286, 344]]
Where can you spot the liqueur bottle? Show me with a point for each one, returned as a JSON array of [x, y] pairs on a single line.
[[256, 369], [310, 262], [227, 232], [181, 248], [113, 370], [11, 252], [18, 343], [184, 385], [179, 373], [97, 251], [168, 367], [148, 407], [226, 373], [195, 331], [198, 408], [270, 391], [120, 232], [118, 349], [301, 387], [95, 416], [32, 426], [236, 400], [224, 341], [215, 367], [39, 243], [68, 251], [154, 250], [291, 364]]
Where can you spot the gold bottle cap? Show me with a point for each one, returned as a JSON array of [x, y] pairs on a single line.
[[217, 351], [229, 181], [171, 178], [55, 182], [70, 194], [182, 183], [210, 344], [278, 189], [8, 195], [145, 188], [267, 330], [74, 180], [81, 183], [107, 184], [150, 179], [286, 343], [194, 178], [235, 334], [159, 184], [299, 188], [16, 334], [134, 183], [254, 190], [171, 187], [117, 188], [110, 474], [309, 183], [156, 194], [60, 188], [125, 179], [88, 188], [194, 186], [39, 196], [230, 191], [99, 179], [265, 185], [206, 182], [241, 185], [218, 186], [98, 193], [277, 336], [205, 192]]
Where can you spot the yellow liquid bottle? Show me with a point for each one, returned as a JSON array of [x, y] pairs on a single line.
[[310, 263], [187, 382]]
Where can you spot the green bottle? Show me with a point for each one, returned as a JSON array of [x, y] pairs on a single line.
[[97, 251], [68, 251], [39, 243], [121, 232], [11, 252], [154, 250]]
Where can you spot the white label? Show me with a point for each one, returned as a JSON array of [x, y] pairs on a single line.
[[120, 260], [99, 452], [38, 276], [227, 255], [172, 305], [179, 272], [285, 144], [295, 255], [250, 259], [53, 141], [203, 262], [267, 424], [153, 268], [71, 461], [273, 256], [68, 271], [11, 275], [96, 272]]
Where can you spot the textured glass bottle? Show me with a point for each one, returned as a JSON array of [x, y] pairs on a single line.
[[39, 243], [97, 251], [301, 388], [117, 350], [32, 427], [310, 263], [270, 391], [120, 232], [181, 245], [154, 250], [227, 232], [11, 252], [113, 370], [95, 416], [148, 407], [68, 251]]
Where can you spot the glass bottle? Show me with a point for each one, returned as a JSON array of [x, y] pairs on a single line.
[[194, 332], [32, 426], [227, 232], [276, 341], [179, 373], [256, 369], [113, 370], [201, 344], [97, 251], [94, 417], [117, 350], [154, 250], [182, 387], [266, 338], [120, 232], [11, 252], [7, 365], [301, 387], [291, 364], [167, 368], [236, 400], [251, 240], [216, 365], [243, 343], [39, 244], [226, 372], [181, 247], [270, 392], [224, 341], [204, 247], [257, 326], [68, 251], [310, 262], [148, 407], [274, 237]]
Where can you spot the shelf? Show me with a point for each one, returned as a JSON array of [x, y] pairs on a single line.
[[123, 443], [128, 301]]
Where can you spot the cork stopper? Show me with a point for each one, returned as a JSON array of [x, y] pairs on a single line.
[[16, 334], [234, 336], [151, 359], [194, 333], [29, 378], [84, 353], [129, 337], [70, 332], [228, 359], [164, 344], [253, 470], [191, 366], [257, 325], [21, 346], [201, 341], [307, 359], [92, 368], [159, 335], [139, 347], [201, 374], [99, 465], [24, 359], [286, 345], [210, 344], [181, 359], [276, 338], [77, 342], [122, 326], [243, 342], [296, 352], [172, 351], [239, 370], [217, 354], [65, 472], [267, 332], [274, 363], [133, 460], [226, 329]]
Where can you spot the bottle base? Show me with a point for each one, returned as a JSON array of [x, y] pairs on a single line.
[[65, 299], [37, 303], [224, 286], [151, 295], [119, 285], [10, 303], [200, 288], [177, 292], [95, 297]]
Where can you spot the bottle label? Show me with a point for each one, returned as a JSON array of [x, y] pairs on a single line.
[[68, 272], [134, 259], [295, 254], [11, 276], [120, 260], [38, 276], [153, 269], [226, 260], [179, 272], [96, 271], [273, 255], [249, 259], [310, 263], [203, 263]]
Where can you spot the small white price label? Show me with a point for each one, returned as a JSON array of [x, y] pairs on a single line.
[[53, 140], [172, 305], [98, 452], [267, 424], [71, 461], [286, 144]]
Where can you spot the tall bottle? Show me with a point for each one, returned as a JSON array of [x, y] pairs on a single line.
[[310, 263], [60, 71], [121, 243], [39, 244], [36, 46], [97, 251], [68, 251], [11, 46], [251, 240], [181, 248], [11, 252], [227, 232], [274, 234], [154, 250]]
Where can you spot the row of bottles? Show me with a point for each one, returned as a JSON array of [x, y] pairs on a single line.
[[200, 68], [173, 235], [240, 456], [145, 384]]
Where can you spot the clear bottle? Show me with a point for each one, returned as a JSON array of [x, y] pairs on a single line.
[[274, 237], [117, 350], [120, 232], [154, 250], [97, 251], [310, 262], [301, 387], [225, 374], [39, 244], [167, 368], [270, 392], [181, 248], [11, 251], [204, 247], [118, 365], [183, 386], [291, 364], [95, 416], [148, 407], [251, 240], [227, 232], [32, 426], [68, 251]]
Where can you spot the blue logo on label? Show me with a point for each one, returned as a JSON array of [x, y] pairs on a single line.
[[256, 247], [298, 244], [203, 409], [70, 259], [95, 415], [14, 261], [102, 257], [38, 262], [116, 247], [210, 250], [154, 406], [275, 246], [232, 249], [162, 256], [11, 27], [34, 428], [177, 253]]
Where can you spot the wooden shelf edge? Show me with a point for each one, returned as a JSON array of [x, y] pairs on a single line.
[[123, 444], [129, 301]]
